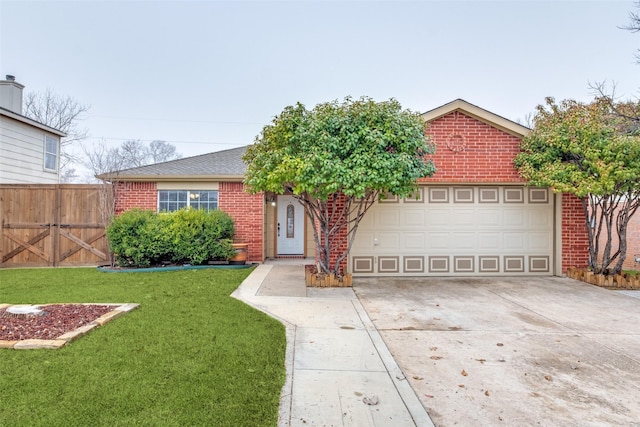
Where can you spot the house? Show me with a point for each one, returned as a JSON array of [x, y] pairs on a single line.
[[29, 151], [474, 217]]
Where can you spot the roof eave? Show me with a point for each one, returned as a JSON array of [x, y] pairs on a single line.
[[172, 178], [477, 113], [20, 118]]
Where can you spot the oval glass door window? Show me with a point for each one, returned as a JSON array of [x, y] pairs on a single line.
[[290, 221]]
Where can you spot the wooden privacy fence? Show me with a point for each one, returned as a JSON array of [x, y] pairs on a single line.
[[52, 225]]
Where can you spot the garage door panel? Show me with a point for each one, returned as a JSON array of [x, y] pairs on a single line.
[[389, 240], [368, 221], [464, 217], [414, 241], [489, 241], [514, 241], [463, 264], [514, 217], [539, 264], [539, 217], [463, 241], [413, 264], [458, 230], [438, 240], [489, 217], [540, 241], [514, 264], [389, 218], [438, 217], [364, 241], [439, 264], [538, 195], [513, 195], [414, 218]]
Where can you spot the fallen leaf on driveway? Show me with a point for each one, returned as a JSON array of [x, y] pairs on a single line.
[[464, 373], [373, 400], [548, 378], [417, 377], [436, 357], [499, 344], [486, 393], [481, 360]]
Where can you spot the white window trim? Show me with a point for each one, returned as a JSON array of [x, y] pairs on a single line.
[[46, 153], [188, 197]]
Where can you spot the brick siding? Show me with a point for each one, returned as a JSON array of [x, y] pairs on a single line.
[[575, 239], [470, 151], [633, 242], [247, 211], [129, 195], [342, 247]]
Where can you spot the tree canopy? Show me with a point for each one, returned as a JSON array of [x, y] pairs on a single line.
[[591, 151], [357, 150]]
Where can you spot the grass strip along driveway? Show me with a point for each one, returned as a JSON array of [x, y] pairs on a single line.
[[189, 355]]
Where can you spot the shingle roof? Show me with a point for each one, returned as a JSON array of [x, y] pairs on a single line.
[[226, 163]]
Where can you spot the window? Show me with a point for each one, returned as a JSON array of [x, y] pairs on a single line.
[[173, 200], [51, 153]]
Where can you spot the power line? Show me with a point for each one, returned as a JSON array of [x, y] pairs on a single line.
[[178, 120], [106, 138]]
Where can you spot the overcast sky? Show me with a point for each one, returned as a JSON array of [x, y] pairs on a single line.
[[208, 75]]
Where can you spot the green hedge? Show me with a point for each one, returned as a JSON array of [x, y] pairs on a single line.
[[141, 238]]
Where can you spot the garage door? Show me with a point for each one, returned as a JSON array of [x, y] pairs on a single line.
[[457, 231]]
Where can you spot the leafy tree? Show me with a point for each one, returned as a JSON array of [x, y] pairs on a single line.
[[593, 152], [63, 113], [337, 159]]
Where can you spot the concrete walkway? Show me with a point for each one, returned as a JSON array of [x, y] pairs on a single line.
[[339, 370]]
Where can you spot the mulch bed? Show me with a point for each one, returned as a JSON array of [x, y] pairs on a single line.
[[56, 320]]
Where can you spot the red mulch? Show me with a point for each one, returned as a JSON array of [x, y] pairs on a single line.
[[57, 320]]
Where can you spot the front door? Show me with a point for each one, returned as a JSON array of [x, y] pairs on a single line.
[[290, 226]]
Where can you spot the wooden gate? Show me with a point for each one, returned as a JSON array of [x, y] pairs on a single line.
[[52, 225]]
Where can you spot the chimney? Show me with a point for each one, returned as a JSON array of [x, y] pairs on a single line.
[[11, 94]]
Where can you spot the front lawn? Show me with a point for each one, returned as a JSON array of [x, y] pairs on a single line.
[[190, 355]]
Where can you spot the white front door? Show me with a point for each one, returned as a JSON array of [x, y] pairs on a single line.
[[290, 226]]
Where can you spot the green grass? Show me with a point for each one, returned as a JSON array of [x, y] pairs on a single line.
[[190, 355]]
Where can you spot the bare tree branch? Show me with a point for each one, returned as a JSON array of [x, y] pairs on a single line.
[[62, 113]]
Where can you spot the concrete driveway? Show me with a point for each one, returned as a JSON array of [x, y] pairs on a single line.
[[512, 351]]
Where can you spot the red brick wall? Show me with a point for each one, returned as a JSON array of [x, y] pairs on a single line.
[[575, 240], [247, 211], [633, 242], [468, 150], [342, 247], [143, 195]]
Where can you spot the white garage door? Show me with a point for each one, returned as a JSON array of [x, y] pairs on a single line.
[[457, 231]]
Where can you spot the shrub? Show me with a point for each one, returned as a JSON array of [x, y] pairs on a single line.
[[138, 238], [197, 235], [142, 238]]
